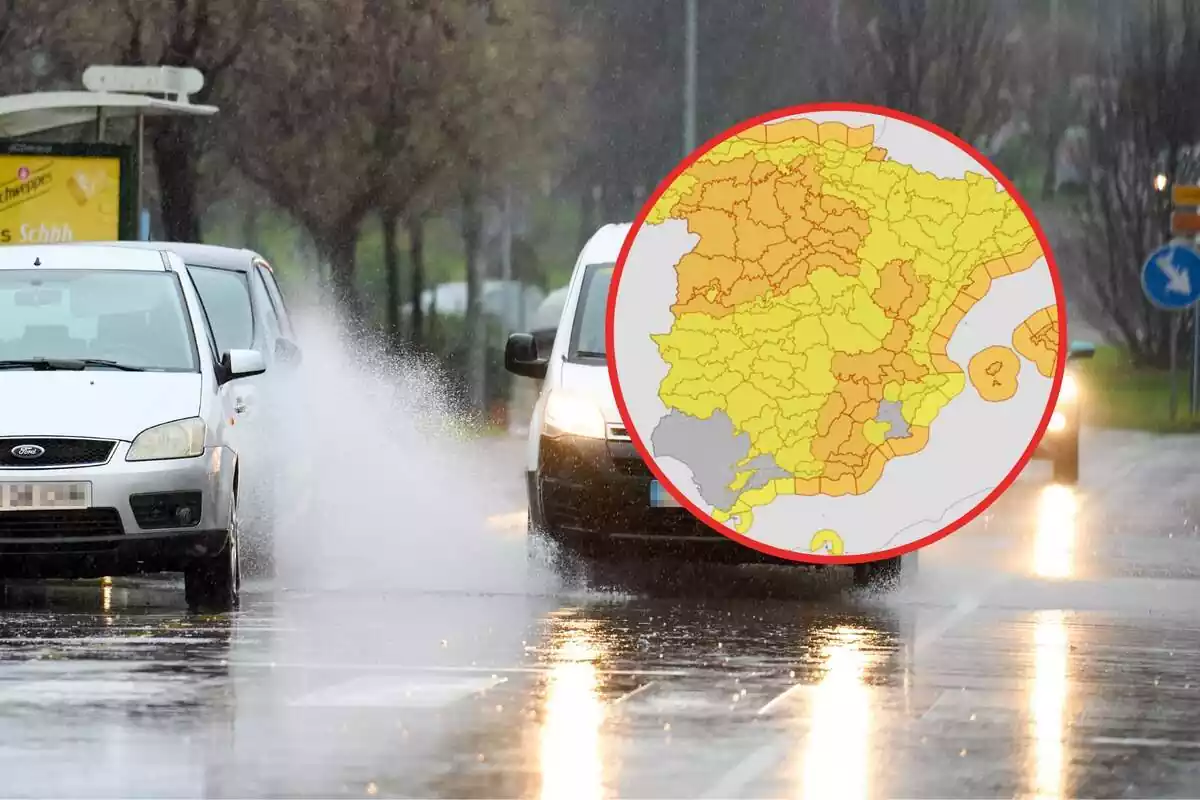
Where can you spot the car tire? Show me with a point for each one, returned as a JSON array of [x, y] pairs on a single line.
[[883, 574], [1066, 464], [214, 582]]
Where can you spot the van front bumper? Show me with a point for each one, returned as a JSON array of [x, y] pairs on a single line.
[[594, 494]]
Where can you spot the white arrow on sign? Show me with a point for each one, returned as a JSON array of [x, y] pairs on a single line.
[[1177, 279]]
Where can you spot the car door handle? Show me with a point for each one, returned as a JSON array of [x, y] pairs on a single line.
[[239, 406]]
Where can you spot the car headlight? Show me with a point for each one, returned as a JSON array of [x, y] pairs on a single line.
[[1069, 392], [569, 414], [183, 438]]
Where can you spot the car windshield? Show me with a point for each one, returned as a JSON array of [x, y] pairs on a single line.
[[587, 338], [130, 319], [226, 297]]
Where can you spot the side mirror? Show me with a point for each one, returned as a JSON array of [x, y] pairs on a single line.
[[1079, 350], [521, 357], [242, 364], [288, 352]]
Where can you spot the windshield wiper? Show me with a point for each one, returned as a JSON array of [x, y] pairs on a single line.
[[104, 362], [42, 363], [590, 354], [72, 364]]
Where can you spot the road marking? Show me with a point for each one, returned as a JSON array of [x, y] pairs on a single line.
[[392, 692], [734, 781], [634, 693], [779, 698], [1130, 742], [662, 673], [742, 774]]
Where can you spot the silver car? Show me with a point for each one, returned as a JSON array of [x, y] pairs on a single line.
[[119, 437], [246, 311]]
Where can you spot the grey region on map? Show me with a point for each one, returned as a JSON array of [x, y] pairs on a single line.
[[889, 411], [714, 454]]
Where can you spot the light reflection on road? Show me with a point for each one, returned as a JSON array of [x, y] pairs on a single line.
[[1048, 703], [1054, 557], [837, 752], [1054, 544], [572, 761]]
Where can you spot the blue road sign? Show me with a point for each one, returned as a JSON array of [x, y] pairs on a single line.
[[1171, 276]]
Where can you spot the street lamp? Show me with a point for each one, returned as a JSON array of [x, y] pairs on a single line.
[[689, 77]]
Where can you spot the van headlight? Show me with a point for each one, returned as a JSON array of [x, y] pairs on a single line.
[[571, 415], [1069, 391], [183, 438]]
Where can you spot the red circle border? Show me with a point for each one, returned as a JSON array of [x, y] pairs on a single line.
[[1060, 302]]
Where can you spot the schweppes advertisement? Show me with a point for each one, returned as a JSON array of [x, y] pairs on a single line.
[[64, 193]]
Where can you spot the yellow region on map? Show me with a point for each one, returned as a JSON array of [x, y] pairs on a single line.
[[816, 306], [827, 542], [993, 371], [1037, 339]]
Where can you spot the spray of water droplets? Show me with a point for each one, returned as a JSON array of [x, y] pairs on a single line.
[[374, 479]]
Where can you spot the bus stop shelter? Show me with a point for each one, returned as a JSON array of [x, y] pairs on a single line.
[[111, 94]]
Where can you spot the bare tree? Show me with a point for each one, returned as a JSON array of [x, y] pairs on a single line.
[[1145, 122], [506, 116], [1054, 57], [300, 114], [947, 61], [8, 24], [208, 35]]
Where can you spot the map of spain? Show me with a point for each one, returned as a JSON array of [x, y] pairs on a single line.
[[832, 298]]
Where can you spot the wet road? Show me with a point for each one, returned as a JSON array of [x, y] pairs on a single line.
[[1051, 649]]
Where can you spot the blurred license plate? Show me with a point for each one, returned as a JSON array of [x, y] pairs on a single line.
[[32, 496], [661, 498]]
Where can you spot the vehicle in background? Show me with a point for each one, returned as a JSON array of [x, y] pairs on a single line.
[[241, 298], [589, 491], [1060, 444], [119, 452], [246, 310]]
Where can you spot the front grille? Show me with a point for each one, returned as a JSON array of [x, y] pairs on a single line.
[[568, 507], [634, 467], [60, 524], [56, 452]]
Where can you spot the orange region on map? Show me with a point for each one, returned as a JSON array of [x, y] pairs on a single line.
[[993, 372], [817, 304], [1037, 339]]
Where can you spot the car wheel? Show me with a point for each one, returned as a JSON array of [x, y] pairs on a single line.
[[883, 574], [1066, 464], [214, 583]]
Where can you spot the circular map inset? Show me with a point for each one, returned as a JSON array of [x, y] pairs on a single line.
[[835, 333]]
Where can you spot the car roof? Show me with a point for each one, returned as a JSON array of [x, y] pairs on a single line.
[[83, 256], [204, 255], [605, 245]]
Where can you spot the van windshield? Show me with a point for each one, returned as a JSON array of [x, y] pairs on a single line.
[[587, 334]]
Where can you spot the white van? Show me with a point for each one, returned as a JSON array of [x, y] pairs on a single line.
[[589, 491]]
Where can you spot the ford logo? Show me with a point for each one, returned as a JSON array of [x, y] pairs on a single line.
[[28, 451]]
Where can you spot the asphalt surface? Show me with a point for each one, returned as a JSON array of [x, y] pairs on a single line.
[[1050, 649]]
